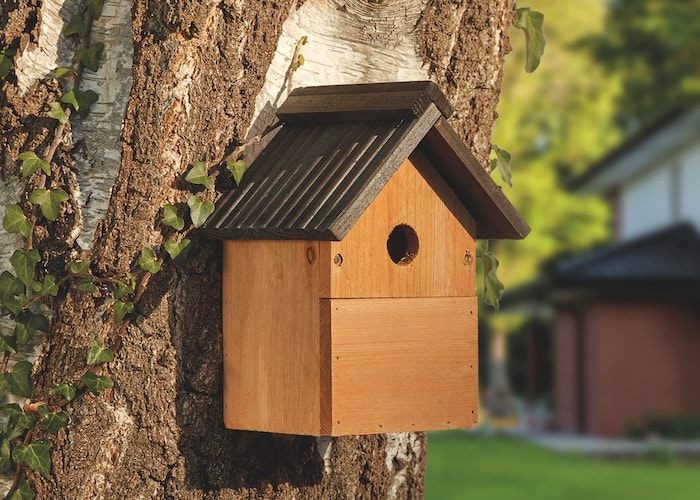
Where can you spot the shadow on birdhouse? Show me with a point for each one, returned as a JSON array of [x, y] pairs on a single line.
[[349, 275]]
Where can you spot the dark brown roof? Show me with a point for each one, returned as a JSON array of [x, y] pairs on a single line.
[[336, 150]]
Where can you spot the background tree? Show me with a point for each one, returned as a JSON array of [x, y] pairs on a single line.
[[180, 82]]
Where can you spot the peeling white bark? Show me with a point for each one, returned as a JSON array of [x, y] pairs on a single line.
[[349, 41], [98, 148], [400, 449]]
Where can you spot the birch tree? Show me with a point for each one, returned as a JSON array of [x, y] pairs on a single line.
[[180, 82]]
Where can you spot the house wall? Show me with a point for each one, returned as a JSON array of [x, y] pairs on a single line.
[[662, 195], [640, 358], [566, 391]]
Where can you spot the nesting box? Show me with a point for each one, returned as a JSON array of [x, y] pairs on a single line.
[[349, 267]]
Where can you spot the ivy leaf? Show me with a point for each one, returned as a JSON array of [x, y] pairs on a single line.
[[76, 26], [49, 200], [10, 286], [80, 267], [493, 288], [98, 353], [123, 289], [35, 455], [237, 169], [86, 99], [96, 384], [15, 305], [71, 98], [177, 251], [171, 219], [57, 112], [31, 163], [64, 72], [531, 22], [51, 420], [23, 263], [121, 309], [46, 287], [17, 379], [95, 7], [15, 221], [6, 65], [27, 324], [8, 343], [198, 175], [23, 492], [200, 210], [90, 57], [148, 262], [5, 455], [85, 284], [502, 163], [63, 389], [17, 420]]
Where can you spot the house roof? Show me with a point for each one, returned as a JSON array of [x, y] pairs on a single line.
[[664, 264], [337, 148], [641, 151]]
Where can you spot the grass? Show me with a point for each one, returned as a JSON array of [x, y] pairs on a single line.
[[467, 466]]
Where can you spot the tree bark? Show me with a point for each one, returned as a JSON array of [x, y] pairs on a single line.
[[203, 74]]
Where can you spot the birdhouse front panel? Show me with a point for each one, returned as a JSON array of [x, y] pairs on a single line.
[[414, 240]]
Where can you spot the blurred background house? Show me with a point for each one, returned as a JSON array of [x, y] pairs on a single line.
[[625, 318]]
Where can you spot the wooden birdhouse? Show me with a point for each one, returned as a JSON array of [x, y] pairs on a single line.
[[349, 267]]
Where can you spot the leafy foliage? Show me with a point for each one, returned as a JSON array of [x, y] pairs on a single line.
[[23, 262], [17, 380], [200, 210], [121, 309], [148, 261], [98, 353], [91, 56], [531, 22], [171, 219], [49, 200], [15, 221], [502, 163], [57, 112], [76, 27], [28, 323], [96, 383], [35, 455], [198, 175], [63, 389], [51, 420], [237, 169], [31, 163], [178, 251], [23, 492], [493, 288]]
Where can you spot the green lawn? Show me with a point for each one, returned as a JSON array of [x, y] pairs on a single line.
[[464, 466]]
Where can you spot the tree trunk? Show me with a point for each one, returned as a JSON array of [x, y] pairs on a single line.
[[200, 75]]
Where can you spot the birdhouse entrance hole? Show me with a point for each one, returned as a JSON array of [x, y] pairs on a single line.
[[402, 244]]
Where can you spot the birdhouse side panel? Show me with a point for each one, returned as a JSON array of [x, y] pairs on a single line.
[[271, 341], [414, 240], [402, 364]]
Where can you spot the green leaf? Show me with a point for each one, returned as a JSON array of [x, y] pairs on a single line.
[[71, 98], [5, 455], [76, 26], [51, 420], [63, 389], [200, 210], [18, 381], [18, 422], [64, 72], [86, 99], [23, 492], [15, 305], [80, 267], [23, 263], [493, 288], [85, 284], [46, 287], [15, 221], [96, 384], [98, 353], [121, 309], [8, 343], [57, 112], [95, 7], [171, 219], [123, 289], [49, 200], [237, 169], [502, 164], [198, 175], [90, 57], [177, 251], [148, 262], [27, 324], [10, 286], [35, 455], [31, 163], [6, 65], [531, 23]]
